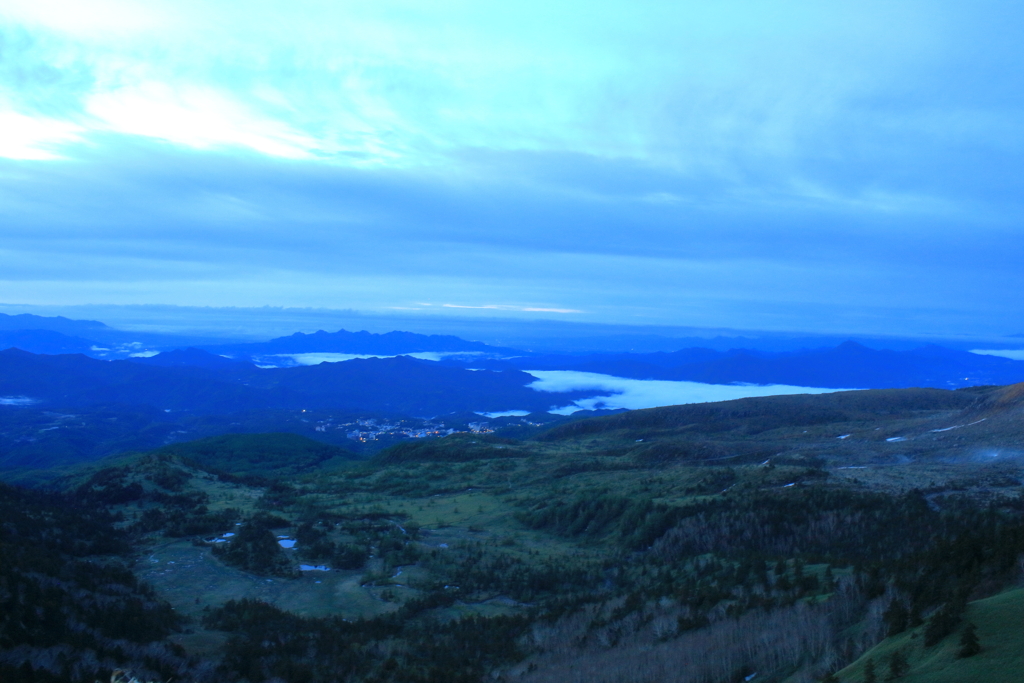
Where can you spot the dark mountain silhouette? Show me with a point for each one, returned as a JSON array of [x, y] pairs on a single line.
[[343, 341], [54, 335], [27, 321], [632, 365], [396, 385], [192, 357], [71, 381], [44, 341], [849, 365]]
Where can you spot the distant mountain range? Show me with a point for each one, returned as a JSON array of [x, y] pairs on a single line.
[[210, 384], [59, 405], [63, 409], [847, 366], [343, 341], [28, 321], [44, 341], [60, 335]]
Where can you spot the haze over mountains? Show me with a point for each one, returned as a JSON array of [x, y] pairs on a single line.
[[427, 474], [342, 341], [69, 396], [849, 364], [398, 385], [893, 515]]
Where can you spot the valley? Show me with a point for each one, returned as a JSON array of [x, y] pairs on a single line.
[[615, 548], [554, 342], [532, 342]]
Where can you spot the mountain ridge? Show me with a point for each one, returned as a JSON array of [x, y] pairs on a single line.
[[362, 342], [398, 385]]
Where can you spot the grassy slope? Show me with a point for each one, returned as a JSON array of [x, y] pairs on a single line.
[[467, 489], [272, 454], [1000, 622]]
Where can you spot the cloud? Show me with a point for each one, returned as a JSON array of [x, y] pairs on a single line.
[[634, 394], [1012, 354], [27, 137], [315, 358], [198, 117], [17, 401], [507, 307], [94, 19], [794, 165], [507, 413], [140, 221], [723, 92]]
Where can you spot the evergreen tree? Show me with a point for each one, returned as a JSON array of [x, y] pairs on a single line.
[[942, 623], [915, 615], [969, 644], [869, 672], [898, 666], [896, 617]]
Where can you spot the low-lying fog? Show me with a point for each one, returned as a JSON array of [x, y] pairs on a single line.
[[278, 360], [633, 394], [630, 394]]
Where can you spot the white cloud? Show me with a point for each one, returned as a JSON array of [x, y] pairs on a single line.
[[327, 357], [31, 137], [1013, 354], [728, 163], [312, 358], [195, 116], [692, 87], [97, 19], [505, 307], [17, 401], [634, 394]]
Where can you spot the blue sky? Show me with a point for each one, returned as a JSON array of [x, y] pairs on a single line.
[[775, 165]]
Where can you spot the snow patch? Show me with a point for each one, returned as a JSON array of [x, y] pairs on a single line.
[[969, 424]]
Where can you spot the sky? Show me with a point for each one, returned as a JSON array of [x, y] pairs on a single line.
[[829, 167]]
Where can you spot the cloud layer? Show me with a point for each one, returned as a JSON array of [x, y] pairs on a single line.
[[783, 165], [634, 394]]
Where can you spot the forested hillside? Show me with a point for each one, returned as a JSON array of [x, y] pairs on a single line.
[[784, 539]]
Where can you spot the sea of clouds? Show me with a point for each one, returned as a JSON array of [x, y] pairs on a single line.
[[315, 358], [617, 392], [634, 394]]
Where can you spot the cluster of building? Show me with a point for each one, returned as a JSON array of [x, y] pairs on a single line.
[[370, 429]]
